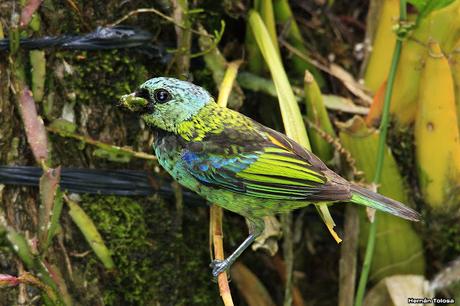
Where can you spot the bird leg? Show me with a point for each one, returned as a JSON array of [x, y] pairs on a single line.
[[256, 227]]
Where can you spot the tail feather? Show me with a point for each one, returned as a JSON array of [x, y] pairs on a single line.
[[371, 199]]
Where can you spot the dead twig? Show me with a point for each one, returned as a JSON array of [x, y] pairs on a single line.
[[216, 211], [183, 36], [159, 13], [101, 144], [288, 252], [335, 142], [183, 29], [336, 71], [348, 257], [218, 241]]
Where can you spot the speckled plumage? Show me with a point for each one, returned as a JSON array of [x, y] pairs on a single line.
[[214, 156], [237, 163]]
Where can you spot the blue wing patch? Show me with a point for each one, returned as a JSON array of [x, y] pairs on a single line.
[[224, 172], [260, 162], [213, 169]]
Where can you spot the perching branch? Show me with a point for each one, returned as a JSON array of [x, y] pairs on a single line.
[[216, 211]]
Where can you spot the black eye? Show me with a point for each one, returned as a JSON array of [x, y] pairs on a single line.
[[162, 96]]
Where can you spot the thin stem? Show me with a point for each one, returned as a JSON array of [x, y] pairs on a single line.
[[380, 156], [367, 263], [183, 36], [217, 239], [101, 145], [159, 13], [402, 10], [216, 211], [288, 252], [334, 70], [386, 110]]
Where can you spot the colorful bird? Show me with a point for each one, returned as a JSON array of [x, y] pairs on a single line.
[[236, 162]]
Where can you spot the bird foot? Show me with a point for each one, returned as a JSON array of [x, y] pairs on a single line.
[[219, 266]]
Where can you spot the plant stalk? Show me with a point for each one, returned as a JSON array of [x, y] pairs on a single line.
[[216, 211], [380, 154]]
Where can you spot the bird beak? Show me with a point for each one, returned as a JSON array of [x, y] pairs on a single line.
[[132, 103]]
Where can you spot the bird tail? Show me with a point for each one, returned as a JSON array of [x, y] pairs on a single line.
[[371, 199]]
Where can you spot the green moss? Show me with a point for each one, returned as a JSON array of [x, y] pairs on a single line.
[[401, 141], [122, 224], [182, 256], [90, 83], [442, 238], [155, 261], [104, 76]]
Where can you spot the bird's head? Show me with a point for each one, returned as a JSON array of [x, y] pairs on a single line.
[[165, 103]]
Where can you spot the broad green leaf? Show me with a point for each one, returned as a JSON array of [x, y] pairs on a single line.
[[419, 4], [398, 248], [425, 7]]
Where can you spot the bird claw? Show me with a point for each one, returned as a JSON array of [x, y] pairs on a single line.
[[219, 266]]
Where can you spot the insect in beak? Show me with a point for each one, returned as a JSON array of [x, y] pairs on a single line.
[[133, 103]]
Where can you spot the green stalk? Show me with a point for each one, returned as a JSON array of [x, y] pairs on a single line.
[[265, 10], [380, 154], [290, 111], [292, 119], [284, 15], [317, 114], [255, 60], [38, 73], [217, 63], [386, 108]]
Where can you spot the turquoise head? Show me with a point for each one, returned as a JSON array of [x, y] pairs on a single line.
[[166, 102]]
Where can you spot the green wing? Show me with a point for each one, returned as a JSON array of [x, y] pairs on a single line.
[[270, 165]]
